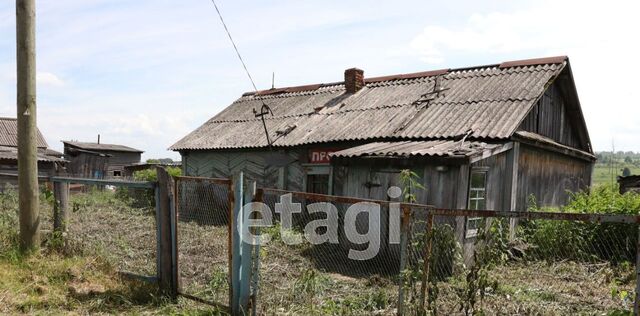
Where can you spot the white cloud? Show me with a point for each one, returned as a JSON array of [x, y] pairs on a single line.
[[596, 36], [49, 79]]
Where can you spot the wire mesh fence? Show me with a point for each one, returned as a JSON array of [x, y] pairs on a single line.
[[338, 274], [203, 206], [110, 223], [544, 265]]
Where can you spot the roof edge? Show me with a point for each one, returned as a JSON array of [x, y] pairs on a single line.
[[413, 75]]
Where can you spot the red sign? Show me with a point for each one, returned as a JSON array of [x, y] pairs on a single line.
[[320, 155]]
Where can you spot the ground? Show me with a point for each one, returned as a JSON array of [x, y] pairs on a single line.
[[53, 284]]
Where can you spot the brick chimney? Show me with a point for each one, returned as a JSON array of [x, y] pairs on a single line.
[[353, 79]]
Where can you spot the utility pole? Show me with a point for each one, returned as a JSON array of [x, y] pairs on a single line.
[[27, 129]]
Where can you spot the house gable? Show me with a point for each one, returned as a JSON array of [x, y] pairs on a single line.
[[557, 115]]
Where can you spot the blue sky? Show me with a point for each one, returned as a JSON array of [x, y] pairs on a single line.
[[145, 73]]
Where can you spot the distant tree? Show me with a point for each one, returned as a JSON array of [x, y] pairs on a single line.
[[153, 161], [626, 172], [165, 160], [628, 159]]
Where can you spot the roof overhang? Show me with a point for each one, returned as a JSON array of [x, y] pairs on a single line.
[[538, 140], [467, 151]]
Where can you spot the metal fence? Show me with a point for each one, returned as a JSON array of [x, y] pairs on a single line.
[[115, 220], [302, 277], [203, 207], [427, 260], [549, 263], [511, 263]]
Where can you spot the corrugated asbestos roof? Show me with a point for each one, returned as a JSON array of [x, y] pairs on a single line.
[[11, 153], [431, 148], [9, 134], [101, 147], [487, 101]]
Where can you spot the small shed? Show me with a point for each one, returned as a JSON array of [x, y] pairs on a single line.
[[97, 160], [48, 160], [629, 184]]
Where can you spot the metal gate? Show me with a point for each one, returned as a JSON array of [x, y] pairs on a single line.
[[203, 242]]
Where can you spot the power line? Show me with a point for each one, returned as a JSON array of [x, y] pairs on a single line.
[[265, 109], [234, 45]]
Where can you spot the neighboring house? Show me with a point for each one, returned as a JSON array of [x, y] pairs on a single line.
[[484, 137], [129, 170], [96, 160], [48, 159], [629, 184]]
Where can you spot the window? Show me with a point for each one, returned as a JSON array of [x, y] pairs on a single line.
[[117, 173], [477, 199], [318, 179], [318, 183]]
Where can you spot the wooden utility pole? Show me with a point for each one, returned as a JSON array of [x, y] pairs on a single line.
[[27, 129]]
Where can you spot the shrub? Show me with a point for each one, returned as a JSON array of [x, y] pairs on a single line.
[[614, 242], [144, 197], [8, 222]]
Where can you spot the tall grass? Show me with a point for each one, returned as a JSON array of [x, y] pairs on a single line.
[[613, 242]]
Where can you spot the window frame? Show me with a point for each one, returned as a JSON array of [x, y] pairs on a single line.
[[318, 169], [479, 196]]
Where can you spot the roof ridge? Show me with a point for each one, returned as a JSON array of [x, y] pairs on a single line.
[[413, 75]]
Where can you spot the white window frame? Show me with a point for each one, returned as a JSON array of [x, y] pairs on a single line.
[[474, 199]]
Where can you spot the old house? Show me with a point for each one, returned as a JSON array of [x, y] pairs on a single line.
[[47, 158], [97, 160], [482, 137]]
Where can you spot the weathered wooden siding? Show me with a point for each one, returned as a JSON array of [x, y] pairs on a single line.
[[86, 165], [550, 118], [548, 176], [497, 177], [225, 164], [9, 173]]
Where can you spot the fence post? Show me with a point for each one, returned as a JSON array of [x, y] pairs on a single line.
[[427, 261], [404, 240], [241, 252], [60, 207], [166, 229], [255, 261]]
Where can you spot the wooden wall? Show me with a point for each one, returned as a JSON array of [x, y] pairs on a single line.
[[550, 118], [548, 176], [221, 164], [497, 178], [9, 173], [84, 164]]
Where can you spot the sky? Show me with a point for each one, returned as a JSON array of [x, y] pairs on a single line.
[[145, 73]]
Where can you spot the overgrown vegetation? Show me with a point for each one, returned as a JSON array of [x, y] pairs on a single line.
[[143, 197], [78, 279], [572, 240]]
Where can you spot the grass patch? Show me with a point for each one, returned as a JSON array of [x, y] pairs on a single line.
[[82, 279]]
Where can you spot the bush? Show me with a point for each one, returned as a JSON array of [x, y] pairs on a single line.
[[614, 242], [8, 222], [151, 174], [143, 197]]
